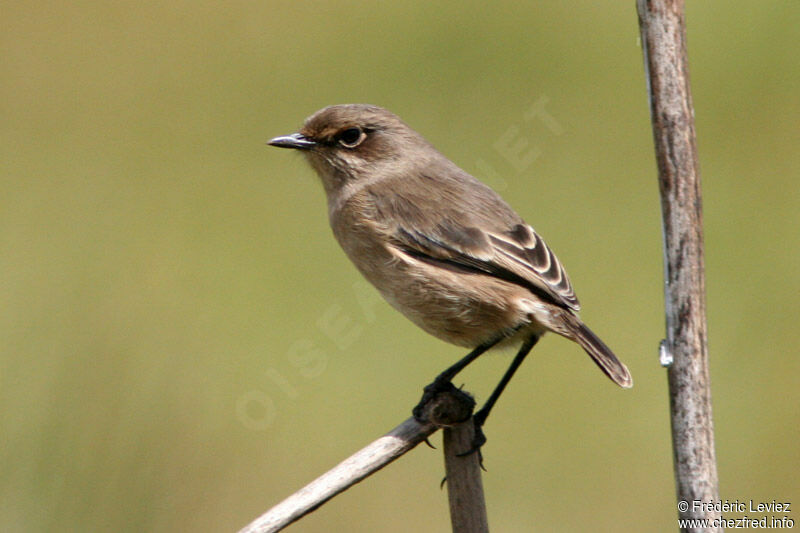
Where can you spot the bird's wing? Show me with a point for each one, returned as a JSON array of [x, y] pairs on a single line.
[[517, 254]]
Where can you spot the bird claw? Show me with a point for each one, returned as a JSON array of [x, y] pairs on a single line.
[[435, 389], [478, 438]]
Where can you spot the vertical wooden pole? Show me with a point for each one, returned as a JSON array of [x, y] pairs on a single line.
[[464, 483], [663, 31]]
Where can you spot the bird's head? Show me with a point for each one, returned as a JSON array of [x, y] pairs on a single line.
[[356, 142]]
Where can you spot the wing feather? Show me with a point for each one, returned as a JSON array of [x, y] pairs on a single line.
[[469, 226], [528, 262]]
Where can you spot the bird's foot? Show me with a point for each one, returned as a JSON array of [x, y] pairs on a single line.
[[479, 438], [443, 404]]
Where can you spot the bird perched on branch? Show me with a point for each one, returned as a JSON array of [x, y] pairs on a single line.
[[441, 247]]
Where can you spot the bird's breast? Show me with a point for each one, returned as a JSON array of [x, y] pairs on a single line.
[[460, 307]]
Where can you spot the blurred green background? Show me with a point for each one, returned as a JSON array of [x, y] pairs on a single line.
[[182, 343]]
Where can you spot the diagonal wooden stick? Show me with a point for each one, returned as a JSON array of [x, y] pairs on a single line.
[[344, 475], [447, 409]]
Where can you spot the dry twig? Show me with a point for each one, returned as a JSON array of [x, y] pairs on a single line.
[[663, 30], [447, 409]]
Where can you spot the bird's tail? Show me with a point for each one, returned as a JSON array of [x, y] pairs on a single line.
[[602, 355]]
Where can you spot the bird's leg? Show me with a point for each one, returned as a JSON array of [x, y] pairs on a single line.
[[442, 382], [479, 418]]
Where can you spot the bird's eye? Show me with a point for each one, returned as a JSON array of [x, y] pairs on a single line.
[[352, 137]]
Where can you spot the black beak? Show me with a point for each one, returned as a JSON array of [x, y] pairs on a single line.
[[295, 140]]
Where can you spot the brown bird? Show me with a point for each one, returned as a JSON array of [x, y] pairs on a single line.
[[440, 246]]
